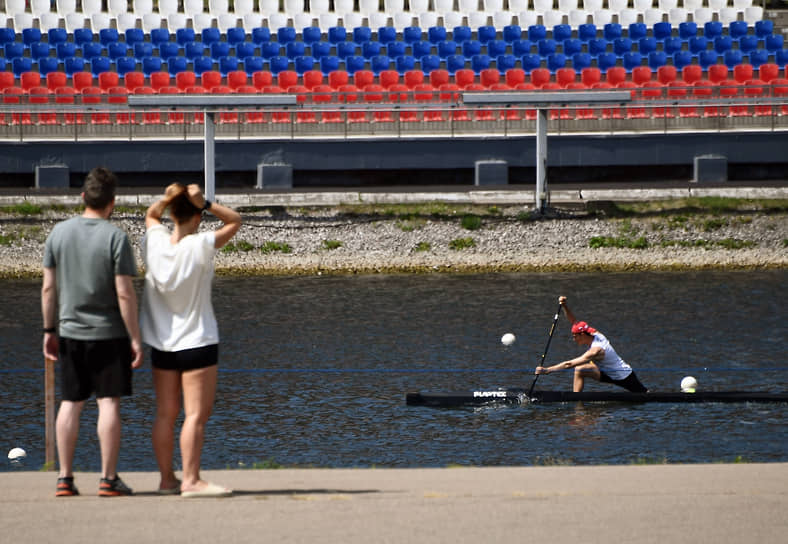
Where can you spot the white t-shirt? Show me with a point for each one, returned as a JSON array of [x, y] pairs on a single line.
[[177, 312], [611, 364]]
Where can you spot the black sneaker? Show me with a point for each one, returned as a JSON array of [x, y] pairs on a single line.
[[66, 487], [113, 488]]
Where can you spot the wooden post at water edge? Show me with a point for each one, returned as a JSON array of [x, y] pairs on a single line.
[[49, 413]]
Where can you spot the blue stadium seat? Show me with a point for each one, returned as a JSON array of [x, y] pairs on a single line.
[[556, 61], [764, 28], [662, 30], [486, 33], [319, 49], [210, 36], [63, 50], [337, 34], [454, 63], [781, 57], [285, 34], [20, 65], [176, 65], [329, 64], [40, 50], [48, 64], [657, 59], [622, 46], [245, 49], [637, 31], [270, 49], [698, 44], [379, 63], [461, 33], [158, 36], [150, 65], [82, 35], [411, 34], [354, 63], [597, 46], [310, 34], [404, 64], [682, 59], [142, 50], [202, 64], [436, 34], [91, 50], [606, 60], [135, 35], [647, 45], [31, 35], [580, 61], [387, 34], [71, 65], [471, 48], [733, 57], [530, 61], [7, 35], [295, 49], [631, 60], [612, 31], [447, 48], [671, 45], [537, 32], [546, 47], [253, 64], [521, 47], [193, 50], [168, 49], [512, 33], [278, 64], [505, 62], [234, 35], [496, 48], [395, 49], [722, 44], [124, 65], [304, 64], [586, 32], [572, 46], [758, 57], [774, 42], [346, 49], [480, 62], [108, 36], [707, 58], [99, 64], [54, 36], [362, 34], [562, 32], [371, 49], [228, 64], [260, 35], [687, 30], [737, 29], [429, 63], [712, 29]]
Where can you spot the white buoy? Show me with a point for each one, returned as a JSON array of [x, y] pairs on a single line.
[[688, 384], [16, 454], [508, 339]]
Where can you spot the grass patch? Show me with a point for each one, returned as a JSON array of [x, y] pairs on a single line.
[[331, 244], [7, 239], [24, 208], [618, 242], [409, 224], [551, 461], [710, 225], [471, 222], [682, 206], [271, 247], [459, 244], [235, 247], [422, 246], [785, 242], [725, 243], [649, 461], [735, 243]]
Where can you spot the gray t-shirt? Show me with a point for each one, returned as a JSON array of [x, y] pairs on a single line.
[[87, 255]]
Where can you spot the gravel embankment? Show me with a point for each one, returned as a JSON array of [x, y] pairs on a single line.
[[504, 242]]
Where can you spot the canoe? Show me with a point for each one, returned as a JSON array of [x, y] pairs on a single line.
[[483, 397]]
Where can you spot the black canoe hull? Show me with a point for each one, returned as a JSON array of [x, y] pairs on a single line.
[[518, 396]]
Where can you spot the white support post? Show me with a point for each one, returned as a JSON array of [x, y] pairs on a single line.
[[210, 156], [541, 160]]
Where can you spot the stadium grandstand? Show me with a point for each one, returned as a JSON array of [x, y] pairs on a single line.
[[379, 83]]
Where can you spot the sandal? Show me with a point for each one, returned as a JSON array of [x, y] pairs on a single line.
[[113, 488], [66, 487]]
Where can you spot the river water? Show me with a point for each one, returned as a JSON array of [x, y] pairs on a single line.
[[314, 371]]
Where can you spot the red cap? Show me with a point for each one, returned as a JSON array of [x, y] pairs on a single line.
[[582, 326]]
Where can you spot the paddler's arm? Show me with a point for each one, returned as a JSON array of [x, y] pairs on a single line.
[[569, 315], [156, 210], [595, 353]]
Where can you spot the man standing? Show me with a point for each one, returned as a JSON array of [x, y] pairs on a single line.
[[90, 325]]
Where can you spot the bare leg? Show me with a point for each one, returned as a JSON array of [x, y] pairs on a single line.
[[108, 429], [582, 372], [67, 427], [199, 391], [167, 384]]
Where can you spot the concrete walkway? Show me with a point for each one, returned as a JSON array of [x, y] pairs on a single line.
[[665, 504]]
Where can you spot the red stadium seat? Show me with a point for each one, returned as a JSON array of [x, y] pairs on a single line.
[[755, 89], [615, 75], [262, 79], [350, 94], [514, 76], [236, 78], [312, 78], [172, 117], [413, 78], [29, 80], [679, 91], [374, 94], [540, 77], [184, 80], [654, 90], [667, 74], [107, 80], [287, 78], [717, 73], [13, 95], [159, 80], [67, 95], [302, 93], [702, 90], [489, 77], [7, 80], [743, 73], [94, 95], [640, 75], [133, 80], [691, 74], [439, 77], [388, 78], [40, 95], [278, 117], [81, 80], [565, 76], [768, 72], [148, 117], [324, 94], [55, 80], [425, 94], [362, 78], [590, 76], [780, 90], [210, 79], [337, 78], [119, 95], [451, 92], [464, 77]]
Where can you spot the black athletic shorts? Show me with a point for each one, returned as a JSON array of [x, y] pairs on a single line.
[[630, 383], [187, 359], [102, 367]]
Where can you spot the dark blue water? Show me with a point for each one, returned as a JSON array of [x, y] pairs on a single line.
[[314, 371]]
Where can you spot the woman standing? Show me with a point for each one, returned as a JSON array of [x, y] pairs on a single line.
[[179, 324]]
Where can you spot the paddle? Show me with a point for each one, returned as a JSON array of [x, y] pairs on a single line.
[[549, 338]]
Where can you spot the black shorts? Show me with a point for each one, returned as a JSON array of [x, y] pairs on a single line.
[[187, 359], [630, 383], [102, 367]]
